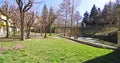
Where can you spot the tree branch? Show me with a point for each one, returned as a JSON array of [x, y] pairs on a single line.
[[28, 6]]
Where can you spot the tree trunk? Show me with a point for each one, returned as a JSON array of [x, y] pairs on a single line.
[[28, 32], [71, 29], [118, 39], [72, 18], [22, 26], [41, 31], [45, 36], [78, 29], [50, 31], [35, 30], [14, 31], [65, 29], [7, 30]]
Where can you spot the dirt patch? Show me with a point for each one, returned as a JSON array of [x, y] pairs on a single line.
[[16, 47], [56, 37], [2, 50]]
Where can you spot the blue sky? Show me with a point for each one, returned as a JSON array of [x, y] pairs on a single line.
[[84, 5]]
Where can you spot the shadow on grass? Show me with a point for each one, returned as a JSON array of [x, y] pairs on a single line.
[[17, 38], [10, 39], [1, 60], [113, 57]]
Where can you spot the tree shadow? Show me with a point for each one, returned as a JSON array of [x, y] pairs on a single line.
[[1, 60], [113, 57], [10, 39]]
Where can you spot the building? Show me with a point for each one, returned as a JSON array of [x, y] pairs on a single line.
[[3, 25]]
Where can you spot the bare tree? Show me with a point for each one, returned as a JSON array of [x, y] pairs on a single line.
[[5, 11], [23, 8], [74, 5], [65, 12], [45, 19], [41, 26], [52, 18], [77, 17], [14, 16], [30, 18], [37, 25], [59, 22]]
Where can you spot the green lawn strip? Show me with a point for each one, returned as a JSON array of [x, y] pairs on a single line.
[[51, 50]]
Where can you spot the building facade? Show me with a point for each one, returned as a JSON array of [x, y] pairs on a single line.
[[3, 25]]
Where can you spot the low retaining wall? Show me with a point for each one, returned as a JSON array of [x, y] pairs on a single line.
[[98, 45]]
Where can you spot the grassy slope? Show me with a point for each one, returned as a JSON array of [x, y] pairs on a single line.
[[103, 31], [106, 31], [52, 50]]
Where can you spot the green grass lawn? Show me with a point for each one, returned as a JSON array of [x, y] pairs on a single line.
[[55, 50]]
